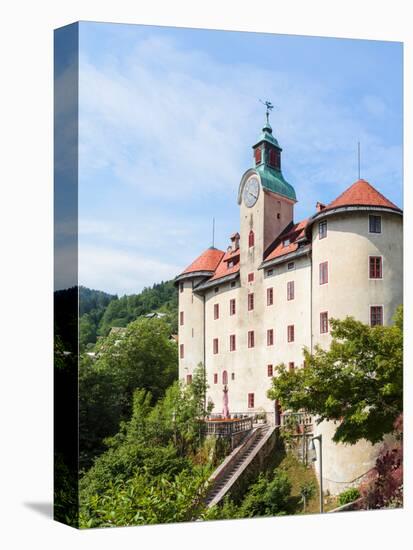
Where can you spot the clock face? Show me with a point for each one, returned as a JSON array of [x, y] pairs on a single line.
[[251, 191]]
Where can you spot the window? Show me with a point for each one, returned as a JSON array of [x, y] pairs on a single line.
[[232, 306], [231, 263], [274, 159], [270, 272], [291, 366], [290, 333], [251, 239], [323, 273], [192, 333], [181, 351], [257, 154], [375, 270], [216, 289], [250, 400], [216, 311], [225, 377], [215, 345], [374, 224], [251, 339], [232, 375], [181, 287], [270, 296], [290, 290], [250, 301], [322, 229], [376, 316], [233, 284], [323, 322], [215, 378], [250, 277], [270, 337], [189, 378], [270, 370], [232, 342], [181, 318], [286, 242], [290, 265]]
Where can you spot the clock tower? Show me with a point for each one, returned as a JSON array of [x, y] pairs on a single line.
[[266, 200]]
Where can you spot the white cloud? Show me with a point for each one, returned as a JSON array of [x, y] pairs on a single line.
[[121, 272]]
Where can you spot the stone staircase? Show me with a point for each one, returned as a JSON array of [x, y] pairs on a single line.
[[224, 477]]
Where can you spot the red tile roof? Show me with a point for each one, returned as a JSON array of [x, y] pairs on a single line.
[[293, 233], [207, 261], [222, 270], [361, 193]]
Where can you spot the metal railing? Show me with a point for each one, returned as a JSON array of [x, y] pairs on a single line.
[[291, 419], [227, 427]]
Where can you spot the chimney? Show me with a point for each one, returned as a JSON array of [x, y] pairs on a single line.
[[235, 241], [320, 206]]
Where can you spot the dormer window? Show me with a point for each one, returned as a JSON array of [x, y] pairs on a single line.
[[286, 242], [231, 263]]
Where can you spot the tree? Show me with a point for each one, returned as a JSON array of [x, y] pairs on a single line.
[[358, 382], [267, 497]]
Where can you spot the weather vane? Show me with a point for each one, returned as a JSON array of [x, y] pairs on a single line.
[[269, 107]]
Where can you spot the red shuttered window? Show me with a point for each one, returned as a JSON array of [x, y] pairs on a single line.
[[270, 337], [250, 301], [290, 333], [290, 290], [250, 400], [181, 318], [323, 273], [251, 238], [181, 351], [376, 316], [215, 345], [189, 378], [251, 339], [232, 306], [270, 370], [270, 296], [250, 277], [323, 322], [375, 267], [232, 342], [215, 378]]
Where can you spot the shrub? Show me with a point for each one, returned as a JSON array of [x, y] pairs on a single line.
[[349, 495]]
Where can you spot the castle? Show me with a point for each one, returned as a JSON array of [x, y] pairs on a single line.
[[272, 292]]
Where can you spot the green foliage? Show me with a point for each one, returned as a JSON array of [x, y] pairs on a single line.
[[147, 475], [143, 499], [268, 497], [358, 382], [162, 297], [350, 495], [143, 357], [307, 491]]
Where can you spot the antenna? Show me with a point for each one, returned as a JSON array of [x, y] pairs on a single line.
[[358, 157], [213, 232]]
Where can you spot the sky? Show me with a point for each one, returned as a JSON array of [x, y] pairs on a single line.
[[167, 119]]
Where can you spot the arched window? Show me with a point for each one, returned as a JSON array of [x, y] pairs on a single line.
[[251, 238], [225, 377]]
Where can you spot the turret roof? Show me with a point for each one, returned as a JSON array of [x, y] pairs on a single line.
[[207, 261], [361, 193]]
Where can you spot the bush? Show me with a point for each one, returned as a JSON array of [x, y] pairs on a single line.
[[350, 495]]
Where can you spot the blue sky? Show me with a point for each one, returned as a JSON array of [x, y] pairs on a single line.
[[167, 118]]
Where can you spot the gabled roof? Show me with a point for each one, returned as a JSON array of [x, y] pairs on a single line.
[[293, 232], [207, 261], [361, 193], [223, 268]]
